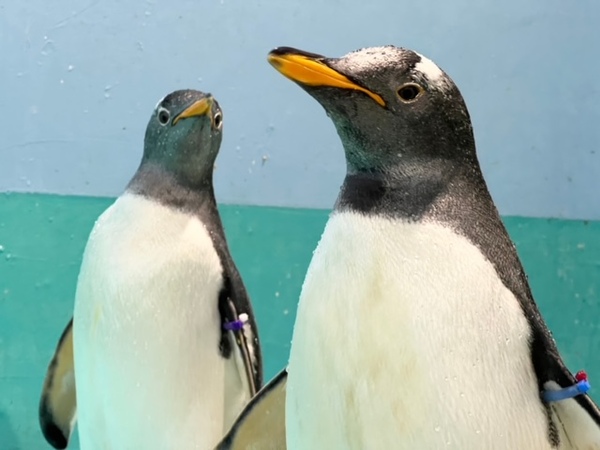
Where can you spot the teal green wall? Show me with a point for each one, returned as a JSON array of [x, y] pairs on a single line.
[[42, 239]]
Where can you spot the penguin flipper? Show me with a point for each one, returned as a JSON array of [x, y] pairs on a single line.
[[242, 339], [577, 420], [58, 404], [261, 424]]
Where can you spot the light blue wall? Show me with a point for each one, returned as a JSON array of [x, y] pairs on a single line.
[[80, 78]]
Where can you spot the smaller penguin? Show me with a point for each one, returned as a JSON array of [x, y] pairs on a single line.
[[416, 326], [163, 350]]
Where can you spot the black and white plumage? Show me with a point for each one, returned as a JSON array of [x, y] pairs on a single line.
[[416, 327], [165, 345]]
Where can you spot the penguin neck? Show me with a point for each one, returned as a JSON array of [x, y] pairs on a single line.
[[407, 189], [156, 183]]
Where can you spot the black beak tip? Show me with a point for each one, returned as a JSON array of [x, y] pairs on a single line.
[[282, 51]]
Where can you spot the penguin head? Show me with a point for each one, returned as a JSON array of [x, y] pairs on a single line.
[[391, 106], [184, 135]]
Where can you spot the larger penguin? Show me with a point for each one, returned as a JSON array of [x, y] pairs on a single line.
[[166, 350], [416, 326]]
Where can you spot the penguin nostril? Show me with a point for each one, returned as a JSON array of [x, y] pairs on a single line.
[[409, 92]]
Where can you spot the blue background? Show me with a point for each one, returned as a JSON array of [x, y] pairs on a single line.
[[80, 80]]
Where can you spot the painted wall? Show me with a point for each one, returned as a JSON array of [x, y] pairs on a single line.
[[80, 80]]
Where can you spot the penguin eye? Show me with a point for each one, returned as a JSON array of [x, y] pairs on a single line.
[[163, 116], [218, 120], [409, 92]]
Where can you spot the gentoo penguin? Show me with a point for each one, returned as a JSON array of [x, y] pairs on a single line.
[[164, 347], [416, 327]]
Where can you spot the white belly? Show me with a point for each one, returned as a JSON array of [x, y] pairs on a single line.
[[146, 333], [406, 339]]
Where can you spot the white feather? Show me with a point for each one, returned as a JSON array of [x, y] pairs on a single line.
[[159, 102], [429, 69], [406, 338], [146, 333]]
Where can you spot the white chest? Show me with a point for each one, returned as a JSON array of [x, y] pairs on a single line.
[[147, 330], [406, 339]]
